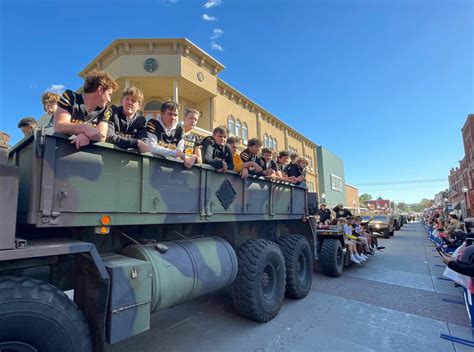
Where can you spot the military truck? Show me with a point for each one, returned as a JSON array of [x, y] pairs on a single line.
[[131, 234]]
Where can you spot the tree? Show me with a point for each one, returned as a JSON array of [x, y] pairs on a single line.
[[364, 199], [402, 206]]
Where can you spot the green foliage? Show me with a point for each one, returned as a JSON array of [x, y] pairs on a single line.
[[364, 199]]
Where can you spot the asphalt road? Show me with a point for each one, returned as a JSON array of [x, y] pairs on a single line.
[[393, 302]]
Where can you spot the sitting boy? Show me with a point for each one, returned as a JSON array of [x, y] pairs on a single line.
[[126, 127], [239, 166], [86, 115], [216, 152]]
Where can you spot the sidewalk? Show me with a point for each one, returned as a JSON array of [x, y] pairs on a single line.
[[405, 278]]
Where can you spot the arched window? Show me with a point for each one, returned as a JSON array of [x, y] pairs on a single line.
[[265, 140], [152, 109], [238, 125], [245, 132], [230, 124]]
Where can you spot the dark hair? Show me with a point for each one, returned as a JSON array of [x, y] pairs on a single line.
[[169, 105], [95, 79], [454, 216], [283, 153], [266, 150], [219, 130], [233, 140], [254, 141], [27, 121], [293, 156]]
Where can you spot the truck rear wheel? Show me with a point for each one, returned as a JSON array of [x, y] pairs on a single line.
[[299, 265], [386, 233], [332, 257], [258, 290], [36, 316]]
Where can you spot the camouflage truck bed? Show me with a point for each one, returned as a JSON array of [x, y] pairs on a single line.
[[63, 187]]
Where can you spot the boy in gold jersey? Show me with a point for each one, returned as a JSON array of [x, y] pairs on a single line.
[[189, 142], [239, 165]]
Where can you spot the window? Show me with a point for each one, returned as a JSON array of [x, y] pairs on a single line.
[[230, 124], [265, 140], [336, 183], [238, 128], [245, 132], [152, 109]]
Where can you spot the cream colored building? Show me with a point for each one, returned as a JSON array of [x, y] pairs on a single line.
[[179, 70], [352, 198]]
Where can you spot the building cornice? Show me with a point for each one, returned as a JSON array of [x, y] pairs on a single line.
[[239, 98], [168, 46]]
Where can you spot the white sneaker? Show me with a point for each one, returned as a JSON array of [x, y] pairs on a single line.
[[359, 258], [353, 259], [364, 256]]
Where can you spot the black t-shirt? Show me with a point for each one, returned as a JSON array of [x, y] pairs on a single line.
[[171, 141], [124, 132], [74, 104], [295, 170]]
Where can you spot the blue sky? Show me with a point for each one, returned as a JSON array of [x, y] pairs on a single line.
[[385, 85]]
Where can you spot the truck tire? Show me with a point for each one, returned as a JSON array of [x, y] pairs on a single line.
[[332, 257], [386, 233], [36, 316], [392, 233], [299, 265], [259, 288]]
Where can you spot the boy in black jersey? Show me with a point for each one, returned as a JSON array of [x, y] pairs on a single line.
[[86, 115], [189, 143], [164, 133], [268, 165], [126, 128], [216, 152], [251, 153], [27, 125], [297, 170]]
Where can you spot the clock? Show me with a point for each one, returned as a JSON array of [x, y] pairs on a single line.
[[150, 65]]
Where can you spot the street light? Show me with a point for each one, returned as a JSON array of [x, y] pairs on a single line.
[[323, 197], [464, 190]]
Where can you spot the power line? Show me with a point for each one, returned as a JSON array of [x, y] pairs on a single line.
[[401, 182]]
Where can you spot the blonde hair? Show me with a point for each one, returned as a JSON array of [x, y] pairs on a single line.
[[190, 110], [299, 159], [135, 93], [50, 97]]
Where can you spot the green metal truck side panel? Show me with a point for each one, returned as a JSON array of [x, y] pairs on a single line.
[[68, 187]]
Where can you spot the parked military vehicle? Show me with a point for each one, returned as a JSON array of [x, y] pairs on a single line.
[[382, 224], [133, 234]]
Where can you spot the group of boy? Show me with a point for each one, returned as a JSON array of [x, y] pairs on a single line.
[[88, 118]]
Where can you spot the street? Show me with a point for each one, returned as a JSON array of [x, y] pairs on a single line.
[[393, 302]]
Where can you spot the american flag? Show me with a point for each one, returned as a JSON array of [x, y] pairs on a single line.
[[452, 193]]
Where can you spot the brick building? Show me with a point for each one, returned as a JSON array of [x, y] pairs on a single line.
[[463, 176]]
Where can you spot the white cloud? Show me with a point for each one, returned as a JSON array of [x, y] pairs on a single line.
[[56, 88], [208, 18], [212, 3], [215, 46], [217, 33], [170, 2], [33, 86]]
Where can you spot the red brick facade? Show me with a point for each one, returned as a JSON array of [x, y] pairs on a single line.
[[464, 174]]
